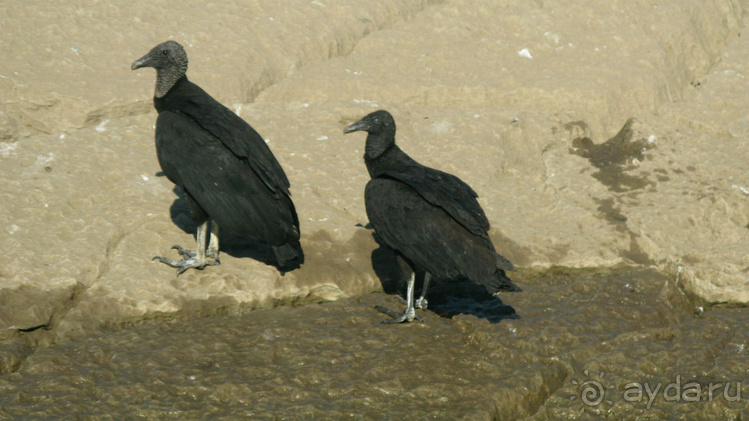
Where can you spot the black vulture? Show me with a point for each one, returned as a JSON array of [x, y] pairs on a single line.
[[429, 218], [228, 173]]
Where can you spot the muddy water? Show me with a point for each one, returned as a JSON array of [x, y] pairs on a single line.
[[568, 331]]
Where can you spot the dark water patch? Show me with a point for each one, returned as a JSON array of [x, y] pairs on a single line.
[[336, 361], [618, 150], [619, 181], [612, 214], [614, 158]]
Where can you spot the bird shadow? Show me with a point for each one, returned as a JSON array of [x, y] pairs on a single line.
[[446, 298], [233, 245]]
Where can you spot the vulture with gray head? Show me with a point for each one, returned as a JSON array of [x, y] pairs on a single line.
[[229, 175], [429, 218]]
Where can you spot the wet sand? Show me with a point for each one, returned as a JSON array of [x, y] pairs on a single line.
[[336, 361]]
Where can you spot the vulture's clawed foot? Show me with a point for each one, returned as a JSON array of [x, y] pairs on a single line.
[[210, 252], [405, 317], [421, 303], [189, 261]]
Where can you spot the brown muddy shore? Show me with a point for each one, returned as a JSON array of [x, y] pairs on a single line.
[[578, 345]]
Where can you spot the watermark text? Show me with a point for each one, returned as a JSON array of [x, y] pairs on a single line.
[[594, 392]]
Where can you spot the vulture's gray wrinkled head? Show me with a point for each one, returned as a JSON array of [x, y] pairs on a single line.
[[378, 122], [170, 61], [381, 128]]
